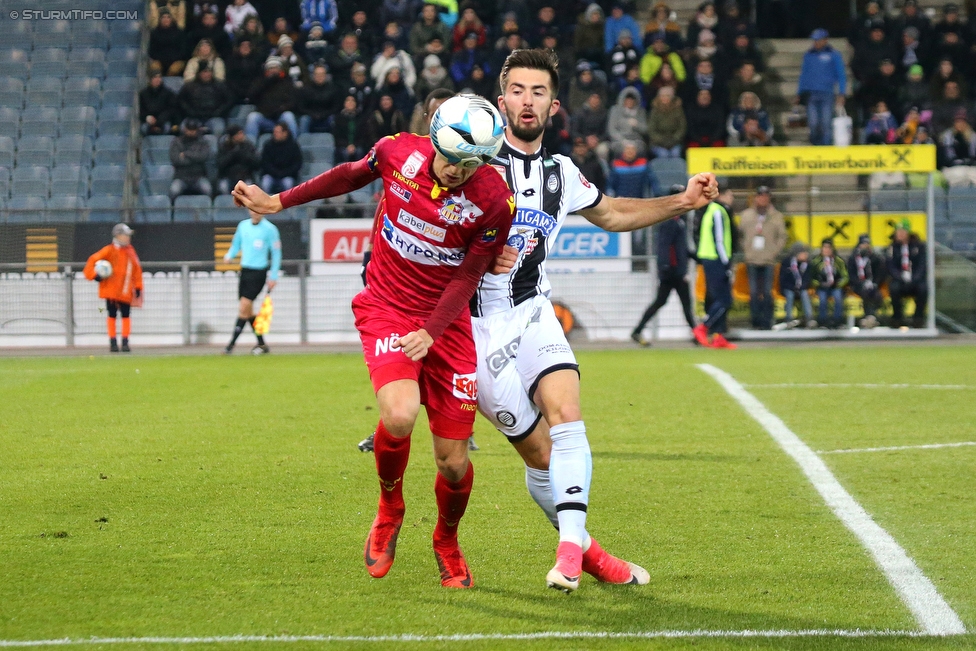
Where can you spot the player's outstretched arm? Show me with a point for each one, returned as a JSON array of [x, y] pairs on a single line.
[[624, 214], [255, 199]]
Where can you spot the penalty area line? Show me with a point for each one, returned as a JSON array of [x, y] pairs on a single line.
[[915, 589], [475, 637], [928, 446]]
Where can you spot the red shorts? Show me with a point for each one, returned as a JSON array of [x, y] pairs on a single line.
[[447, 375]]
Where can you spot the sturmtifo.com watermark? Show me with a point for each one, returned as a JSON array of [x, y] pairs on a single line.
[[73, 14]]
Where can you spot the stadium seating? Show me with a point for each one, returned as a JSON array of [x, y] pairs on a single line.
[[104, 208], [157, 178], [26, 208], [35, 150], [9, 122], [225, 210], [111, 150], [73, 150], [107, 180], [41, 122], [44, 91], [6, 152], [30, 180], [69, 180], [82, 91], [11, 91], [192, 208], [155, 149], [154, 209]]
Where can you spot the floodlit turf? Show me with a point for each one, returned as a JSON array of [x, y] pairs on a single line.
[[195, 496]]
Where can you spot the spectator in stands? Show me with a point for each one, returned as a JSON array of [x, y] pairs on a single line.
[[360, 87], [912, 17], [654, 59], [237, 11], [707, 50], [622, 56], [705, 18], [881, 129], [318, 101], [912, 51], [282, 28], [829, 280], [386, 119], [433, 76], [882, 86], [176, 9], [463, 61], [544, 21], [281, 160], [866, 270], [395, 87], [762, 232], [914, 92], [275, 99], [944, 73], [468, 24], [907, 275], [863, 26], [617, 22], [665, 77], [630, 173], [661, 25], [949, 37], [207, 100], [706, 122], [627, 122], [947, 107], [743, 50], [585, 84], [478, 83], [505, 46], [704, 77], [204, 52], [957, 152], [292, 64], [588, 37], [907, 133], [749, 124], [395, 33], [666, 124], [589, 165], [429, 25], [869, 54], [237, 159], [632, 80], [747, 80], [325, 12], [401, 11], [794, 282], [351, 137], [556, 138], [188, 154], [197, 8], [253, 31], [390, 57], [732, 24], [315, 46], [166, 45], [157, 106], [590, 123], [208, 28], [243, 69], [823, 81], [343, 59]]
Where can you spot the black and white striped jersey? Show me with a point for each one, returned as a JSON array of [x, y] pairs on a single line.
[[546, 188]]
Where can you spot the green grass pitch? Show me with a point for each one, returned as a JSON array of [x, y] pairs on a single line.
[[197, 496]]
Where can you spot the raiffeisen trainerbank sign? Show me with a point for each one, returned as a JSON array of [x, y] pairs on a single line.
[[787, 161]]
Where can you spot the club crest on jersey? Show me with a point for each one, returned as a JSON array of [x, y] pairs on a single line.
[[413, 164], [586, 184], [552, 183], [458, 210], [401, 191], [466, 386], [523, 239]]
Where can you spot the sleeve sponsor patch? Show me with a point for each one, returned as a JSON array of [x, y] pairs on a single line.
[[490, 235]]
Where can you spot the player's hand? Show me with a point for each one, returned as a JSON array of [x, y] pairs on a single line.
[[227, 258], [505, 261], [98, 278], [702, 190], [415, 344], [255, 199], [271, 285], [138, 292]]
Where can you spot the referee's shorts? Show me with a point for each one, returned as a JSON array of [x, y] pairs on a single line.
[[251, 283]]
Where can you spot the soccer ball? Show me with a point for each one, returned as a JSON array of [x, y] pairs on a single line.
[[467, 130], [103, 269]]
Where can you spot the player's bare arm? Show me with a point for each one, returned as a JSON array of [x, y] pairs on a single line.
[[618, 214], [255, 199]]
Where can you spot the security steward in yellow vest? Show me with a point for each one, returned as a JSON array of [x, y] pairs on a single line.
[[714, 252]]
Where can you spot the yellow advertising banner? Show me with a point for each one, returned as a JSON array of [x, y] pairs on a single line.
[[844, 229], [790, 161]]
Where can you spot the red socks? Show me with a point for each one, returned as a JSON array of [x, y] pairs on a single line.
[[126, 327], [452, 500], [391, 455]]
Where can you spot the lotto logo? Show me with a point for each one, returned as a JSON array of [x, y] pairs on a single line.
[[466, 386]]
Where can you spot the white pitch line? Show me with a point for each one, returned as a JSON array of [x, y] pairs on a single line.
[[930, 446], [918, 593], [473, 637], [844, 385]]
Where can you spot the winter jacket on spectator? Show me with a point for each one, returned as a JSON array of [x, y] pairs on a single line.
[[342, 62], [213, 33], [478, 83], [957, 148], [880, 129], [205, 100], [629, 178], [431, 78], [612, 28], [421, 32], [915, 92], [671, 247], [794, 275], [398, 11], [176, 9], [822, 71], [282, 158], [588, 37], [385, 121], [652, 61], [588, 121], [243, 70], [661, 25], [771, 227], [462, 62], [464, 27], [166, 45], [584, 84], [861, 26], [714, 82], [706, 125], [273, 95], [736, 56], [620, 58], [705, 18], [911, 17], [909, 257], [666, 123], [749, 107], [237, 161], [384, 64], [364, 94], [158, 102], [253, 31], [556, 138], [325, 12], [879, 87], [315, 48], [235, 15], [865, 267], [829, 273], [189, 157], [591, 169], [394, 86], [214, 62], [753, 83], [319, 101], [295, 68], [627, 123], [868, 57], [350, 129]]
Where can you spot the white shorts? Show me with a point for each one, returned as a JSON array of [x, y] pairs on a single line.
[[516, 349]]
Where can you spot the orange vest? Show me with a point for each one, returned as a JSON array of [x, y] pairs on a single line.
[[126, 273]]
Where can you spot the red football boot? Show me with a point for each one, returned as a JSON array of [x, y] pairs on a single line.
[[381, 543], [701, 335], [451, 563], [565, 575], [719, 341], [609, 569]]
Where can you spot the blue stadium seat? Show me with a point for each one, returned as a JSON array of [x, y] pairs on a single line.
[[26, 209], [90, 26], [66, 208], [48, 70], [321, 155], [154, 209], [123, 54], [120, 83], [659, 165], [82, 91], [40, 122], [157, 178], [11, 93], [173, 83], [31, 179], [263, 138], [35, 150], [69, 180], [85, 69], [86, 53], [4, 184], [155, 149], [90, 39], [116, 113], [44, 91], [105, 208], [107, 180], [75, 127], [118, 98], [962, 206], [314, 169], [225, 210], [13, 57], [52, 33], [964, 237], [110, 157], [49, 55], [316, 140], [918, 200], [73, 150], [16, 39], [889, 201], [116, 68], [192, 208], [114, 127], [9, 122], [6, 152]]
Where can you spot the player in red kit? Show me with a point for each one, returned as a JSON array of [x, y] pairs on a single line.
[[442, 226]]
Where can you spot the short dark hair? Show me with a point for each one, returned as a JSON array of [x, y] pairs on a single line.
[[537, 59], [438, 94]]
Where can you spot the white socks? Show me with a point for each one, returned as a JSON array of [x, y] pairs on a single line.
[[570, 469]]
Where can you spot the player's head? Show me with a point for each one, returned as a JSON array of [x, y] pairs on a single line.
[[449, 175], [529, 82], [433, 100], [122, 234]]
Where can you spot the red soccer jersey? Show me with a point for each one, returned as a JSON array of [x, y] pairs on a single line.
[[426, 230]]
